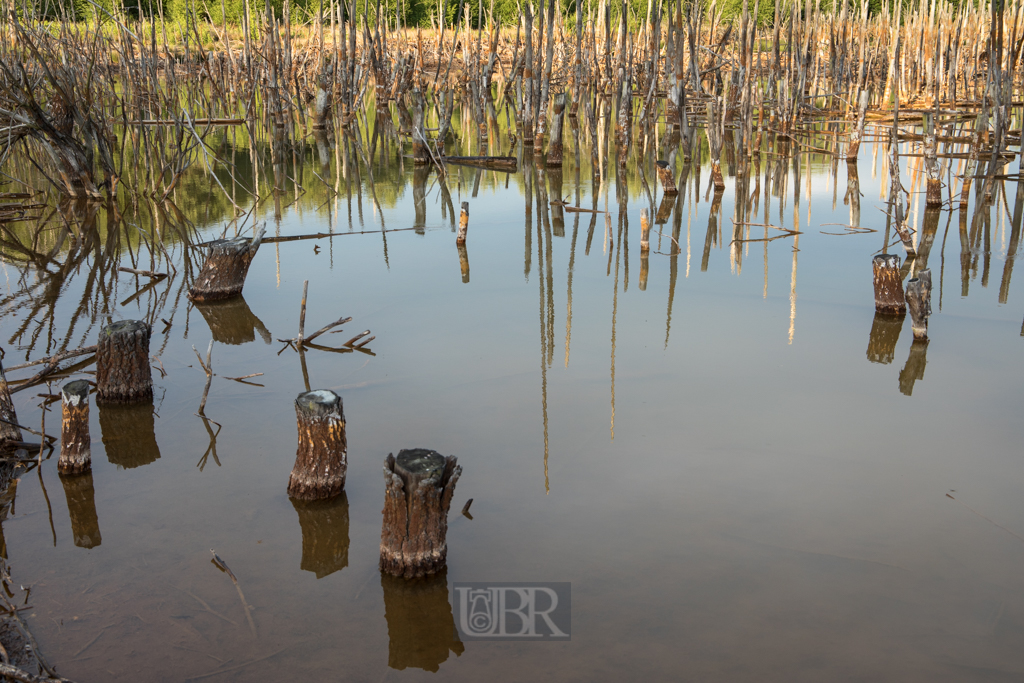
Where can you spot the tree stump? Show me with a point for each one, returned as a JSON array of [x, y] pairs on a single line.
[[9, 433], [554, 158], [419, 487], [919, 303], [931, 163], [75, 453], [324, 104], [885, 333], [129, 434], [227, 264], [460, 238], [421, 626], [420, 151], [668, 183], [321, 460], [853, 149], [324, 525], [888, 285], [81, 497], [122, 363]]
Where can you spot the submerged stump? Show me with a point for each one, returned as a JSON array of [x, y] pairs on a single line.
[[75, 454], [419, 487], [123, 374], [227, 264], [321, 460], [888, 285]]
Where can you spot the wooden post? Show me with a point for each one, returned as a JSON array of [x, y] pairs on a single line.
[[227, 264], [75, 453], [9, 432], [81, 498], [122, 363], [321, 460], [421, 627], [668, 183], [460, 238], [325, 541], [888, 286], [931, 163], [885, 333], [919, 302], [554, 157], [419, 485], [129, 435]]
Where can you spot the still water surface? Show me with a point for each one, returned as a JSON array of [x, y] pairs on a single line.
[[741, 478]]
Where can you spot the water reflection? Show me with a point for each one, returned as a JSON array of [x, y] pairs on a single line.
[[885, 333], [233, 322], [85, 525], [421, 628], [914, 368], [129, 436], [324, 525]]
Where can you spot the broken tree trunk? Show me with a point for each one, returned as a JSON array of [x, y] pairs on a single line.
[[321, 460], [931, 163], [460, 238], [227, 264], [919, 303], [9, 432], [853, 149], [75, 454], [419, 487], [122, 363], [888, 286], [324, 97], [554, 157], [420, 152]]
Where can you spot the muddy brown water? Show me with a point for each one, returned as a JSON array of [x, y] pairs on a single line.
[[734, 489]]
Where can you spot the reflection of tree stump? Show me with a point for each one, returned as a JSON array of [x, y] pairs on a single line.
[[463, 261], [914, 369], [75, 454], [419, 197], [85, 525], [557, 211], [885, 332], [888, 285], [227, 264], [233, 322], [324, 526], [129, 436], [665, 209], [8, 432], [419, 488], [421, 628], [668, 183], [122, 363], [322, 457]]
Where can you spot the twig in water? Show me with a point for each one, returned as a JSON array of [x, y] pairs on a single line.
[[222, 565], [49, 439], [302, 312], [1019, 538], [208, 369], [356, 338]]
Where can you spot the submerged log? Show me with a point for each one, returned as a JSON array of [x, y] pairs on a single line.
[[325, 540], [421, 626], [668, 183], [81, 499], [889, 297], [75, 453], [321, 460], [9, 432], [227, 264], [919, 303], [509, 164], [419, 487], [123, 374], [128, 434]]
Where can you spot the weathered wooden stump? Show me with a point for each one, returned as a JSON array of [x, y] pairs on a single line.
[[419, 487], [931, 163], [10, 434], [885, 333], [75, 453], [324, 96], [227, 264], [554, 157], [460, 238], [81, 498], [919, 303], [888, 285], [668, 183], [321, 460], [325, 542], [421, 626], [914, 368], [123, 374], [129, 434], [853, 149], [420, 152], [232, 321], [645, 231]]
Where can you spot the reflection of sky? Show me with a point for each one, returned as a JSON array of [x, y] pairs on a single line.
[[767, 510]]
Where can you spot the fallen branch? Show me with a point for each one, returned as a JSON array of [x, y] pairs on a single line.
[[222, 565]]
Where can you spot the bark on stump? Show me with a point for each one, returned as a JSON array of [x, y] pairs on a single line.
[[123, 374], [931, 163], [227, 264], [75, 453], [885, 333], [325, 542], [128, 433], [919, 303], [668, 183], [321, 460], [460, 238], [9, 433], [324, 97], [420, 152], [421, 626], [554, 157], [419, 487], [888, 285], [81, 497]]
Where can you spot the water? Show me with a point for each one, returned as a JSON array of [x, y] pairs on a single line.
[[734, 490]]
